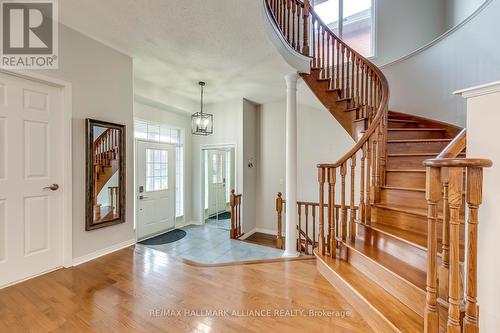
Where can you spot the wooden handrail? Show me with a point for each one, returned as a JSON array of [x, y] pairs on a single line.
[[458, 163], [456, 146], [364, 87], [445, 179]]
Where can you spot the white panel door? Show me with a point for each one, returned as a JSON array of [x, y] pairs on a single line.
[[155, 188], [31, 133], [216, 182]]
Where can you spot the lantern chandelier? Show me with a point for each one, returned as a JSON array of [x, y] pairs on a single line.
[[202, 123]]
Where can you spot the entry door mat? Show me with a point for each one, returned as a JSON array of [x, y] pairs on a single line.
[[222, 216], [168, 237]]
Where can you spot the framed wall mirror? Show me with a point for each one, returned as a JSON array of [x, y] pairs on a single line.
[[105, 176]]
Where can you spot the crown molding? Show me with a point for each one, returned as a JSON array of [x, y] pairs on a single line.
[[484, 89]]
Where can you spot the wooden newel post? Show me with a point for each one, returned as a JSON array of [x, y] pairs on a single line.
[[474, 199], [279, 211], [305, 45], [321, 236], [432, 195], [232, 232]]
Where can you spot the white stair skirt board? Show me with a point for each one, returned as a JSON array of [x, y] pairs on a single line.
[[102, 252]]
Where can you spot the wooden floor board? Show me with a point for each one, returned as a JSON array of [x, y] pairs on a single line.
[[117, 292]]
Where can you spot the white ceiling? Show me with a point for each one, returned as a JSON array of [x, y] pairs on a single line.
[[176, 43]]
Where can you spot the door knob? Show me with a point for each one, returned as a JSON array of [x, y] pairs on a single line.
[[53, 187]]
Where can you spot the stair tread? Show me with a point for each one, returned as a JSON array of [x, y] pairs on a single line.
[[398, 314], [361, 119], [406, 170], [413, 238], [403, 120], [406, 209], [420, 140], [411, 274], [400, 188], [421, 129]]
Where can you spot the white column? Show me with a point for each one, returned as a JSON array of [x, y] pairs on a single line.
[[291, 166]]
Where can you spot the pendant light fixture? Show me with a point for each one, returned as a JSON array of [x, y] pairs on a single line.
[[202, 123]]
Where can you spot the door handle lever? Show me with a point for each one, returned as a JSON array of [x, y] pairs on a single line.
[[53, 187]]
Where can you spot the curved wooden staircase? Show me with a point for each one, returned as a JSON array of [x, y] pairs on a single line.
[[390, 220]]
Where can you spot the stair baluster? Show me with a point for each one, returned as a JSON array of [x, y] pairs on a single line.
[[343, 229], [352, 222], [474, 199], [433, 192]]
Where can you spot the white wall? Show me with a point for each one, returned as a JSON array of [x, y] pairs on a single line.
[[153, 111], [102, 81], [403, 26], [423, 84], [483, 117], [459, 10], [321, 139]]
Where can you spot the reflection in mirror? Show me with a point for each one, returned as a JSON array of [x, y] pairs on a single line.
[[105, 174]]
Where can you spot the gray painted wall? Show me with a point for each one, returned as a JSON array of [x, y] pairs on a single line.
[[102, 81]]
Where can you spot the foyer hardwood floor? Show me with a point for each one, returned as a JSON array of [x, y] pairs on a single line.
[[118, 292]]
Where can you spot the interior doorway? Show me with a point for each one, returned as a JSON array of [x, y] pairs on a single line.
[[218, 181]]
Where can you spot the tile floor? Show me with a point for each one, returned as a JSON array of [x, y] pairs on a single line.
[[208, 244]]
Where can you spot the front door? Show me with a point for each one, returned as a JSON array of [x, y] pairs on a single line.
[[31, 169], [155, 188], [216, 182]]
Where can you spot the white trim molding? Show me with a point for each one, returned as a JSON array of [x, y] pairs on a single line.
[[103, 252], [480, 90]]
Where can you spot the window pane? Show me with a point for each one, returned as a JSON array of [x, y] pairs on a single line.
[[357, 25], [165, 134], [156, 170], [141, 129], [328, 12], [153, 132], [174, 134]]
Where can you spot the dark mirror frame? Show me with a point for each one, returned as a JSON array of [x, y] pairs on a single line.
[[89, 197]]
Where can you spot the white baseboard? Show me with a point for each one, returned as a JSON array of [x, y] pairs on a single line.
[[266, 231], [261, 230], [102, 252], [248, 234]]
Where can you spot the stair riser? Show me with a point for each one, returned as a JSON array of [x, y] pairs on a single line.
[[401, 220], [403, 197], [416, 147], [401, 135], [407, 162], [324, 84], [406, 179], [397, 124], [404, 291]]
